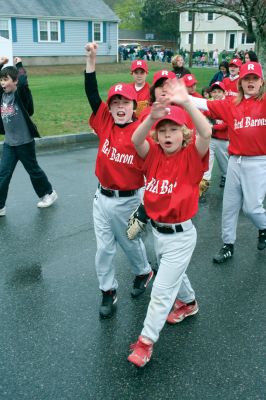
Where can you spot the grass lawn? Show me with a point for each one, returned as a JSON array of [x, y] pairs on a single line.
[[60, 102]]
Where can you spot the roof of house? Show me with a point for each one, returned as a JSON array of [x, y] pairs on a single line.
[[92, 10]]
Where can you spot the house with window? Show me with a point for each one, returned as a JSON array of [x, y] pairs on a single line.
[[213, 31], [55, 32]]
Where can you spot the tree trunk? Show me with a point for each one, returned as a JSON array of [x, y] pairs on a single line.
[[260, 49]]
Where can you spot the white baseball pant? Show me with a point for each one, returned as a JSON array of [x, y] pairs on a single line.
[[245, 188], [173, 253], [218, 150], [111, 216]]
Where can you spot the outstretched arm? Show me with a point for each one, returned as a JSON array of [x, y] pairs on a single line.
[[177, 93], [91, 86], [23, 87], [142, 146], [22, 74]]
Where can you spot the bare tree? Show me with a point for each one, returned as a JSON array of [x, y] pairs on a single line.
[[249, 14]]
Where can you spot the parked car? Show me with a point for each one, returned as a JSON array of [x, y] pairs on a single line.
[[158, 47], [135, 46]]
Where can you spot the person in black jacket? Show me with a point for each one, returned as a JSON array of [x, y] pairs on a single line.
[[16, 107], [178, 66]]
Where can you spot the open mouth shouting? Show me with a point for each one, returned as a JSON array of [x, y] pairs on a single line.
[[121, 114]]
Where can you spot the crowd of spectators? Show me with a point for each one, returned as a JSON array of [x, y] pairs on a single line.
[[145, 53], [200, 57]]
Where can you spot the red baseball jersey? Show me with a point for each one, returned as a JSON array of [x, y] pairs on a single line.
[[246, 124], [230, 87], [143, 115], [117, 164], [143, 97], [172, 183], [220, 130]]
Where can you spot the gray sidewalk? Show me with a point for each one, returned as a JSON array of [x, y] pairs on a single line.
[[61, 141], [53, 346]]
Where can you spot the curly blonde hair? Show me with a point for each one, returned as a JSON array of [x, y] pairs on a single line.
[[187, 133]]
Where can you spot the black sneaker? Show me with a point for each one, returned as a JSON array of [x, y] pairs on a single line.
[[224, 254], [140, 284], [262, 239], [109, 300], [222, 181]]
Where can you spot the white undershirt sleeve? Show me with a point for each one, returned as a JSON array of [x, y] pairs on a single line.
[[199, 103]]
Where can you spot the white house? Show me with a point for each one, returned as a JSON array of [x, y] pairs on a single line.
[[55, 32], [6, 49], [213, 31]]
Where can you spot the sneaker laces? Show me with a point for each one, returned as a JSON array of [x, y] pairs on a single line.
[[226, 251], [141, 347], [178, 304]]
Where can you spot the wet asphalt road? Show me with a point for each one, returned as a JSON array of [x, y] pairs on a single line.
[[55, 347]]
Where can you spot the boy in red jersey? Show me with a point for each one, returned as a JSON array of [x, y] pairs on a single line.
[[219, 142], [245, 185], [230, 83], [120, 183], [191, 85], [138, 219], [157, 90], [173, 169], [139, 71]]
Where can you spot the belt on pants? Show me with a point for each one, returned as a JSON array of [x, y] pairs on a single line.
[[116, 193], [172, 228]]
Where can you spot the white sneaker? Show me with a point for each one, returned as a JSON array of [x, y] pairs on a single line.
[[47, 200], [2, 212]]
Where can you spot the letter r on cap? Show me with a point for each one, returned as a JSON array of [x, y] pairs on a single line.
[[165, 73], [139, 62], [118, 88], [250, 66]]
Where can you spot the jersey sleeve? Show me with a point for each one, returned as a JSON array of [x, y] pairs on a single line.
[[219, 109], [92, 92], [102, 120]]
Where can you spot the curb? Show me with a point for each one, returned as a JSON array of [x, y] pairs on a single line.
[[57, 142]]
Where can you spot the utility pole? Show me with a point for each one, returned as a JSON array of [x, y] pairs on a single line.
[[192, 39]]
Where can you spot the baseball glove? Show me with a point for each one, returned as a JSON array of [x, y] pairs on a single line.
[[137, 222], [203, 186]]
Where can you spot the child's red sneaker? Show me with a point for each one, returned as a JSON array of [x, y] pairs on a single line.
[[142, 351], [181, 311]]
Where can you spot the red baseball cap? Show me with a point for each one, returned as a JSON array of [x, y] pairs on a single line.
[[189, 80], [139, 64], [235, 61], [122, 89], [163, 74], [251, 68], [176, 114], [219, 84]]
